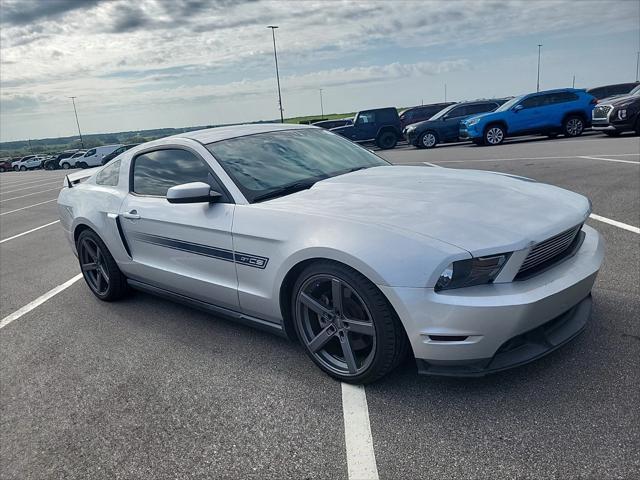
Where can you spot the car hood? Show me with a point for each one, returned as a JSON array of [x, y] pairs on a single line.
[[425, 124], [481, 212], [620, 100], [481, 115], [342, 130]]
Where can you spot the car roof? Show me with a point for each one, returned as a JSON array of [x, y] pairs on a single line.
[[217, 134]]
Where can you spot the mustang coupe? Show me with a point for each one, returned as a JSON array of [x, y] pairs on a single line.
[[298, 231]]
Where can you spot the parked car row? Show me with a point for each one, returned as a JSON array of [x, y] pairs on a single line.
[[566, 111]]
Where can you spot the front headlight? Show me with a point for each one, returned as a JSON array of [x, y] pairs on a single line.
[[471, 122], [474, 271], [622, 114]]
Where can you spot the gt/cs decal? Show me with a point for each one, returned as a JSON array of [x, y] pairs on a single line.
[[247, 259]]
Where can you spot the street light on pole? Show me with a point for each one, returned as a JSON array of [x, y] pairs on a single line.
[[73, 99], [638, 67], [538, 83], [321, 106], [275, 56]]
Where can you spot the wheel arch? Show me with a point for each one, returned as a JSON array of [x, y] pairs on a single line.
[[388, 128], [575, 113], [500, 123], [286, 289]]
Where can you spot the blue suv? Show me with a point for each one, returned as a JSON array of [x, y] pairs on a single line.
[[566, 111]]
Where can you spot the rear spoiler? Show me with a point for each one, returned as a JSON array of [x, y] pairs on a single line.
[[78, 177]]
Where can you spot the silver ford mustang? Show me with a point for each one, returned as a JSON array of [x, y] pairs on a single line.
[[300, 232]]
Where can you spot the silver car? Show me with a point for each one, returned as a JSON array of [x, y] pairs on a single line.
[[300, 232]]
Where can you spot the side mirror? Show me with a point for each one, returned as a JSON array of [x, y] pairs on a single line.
[[194, 192], [517, 108]]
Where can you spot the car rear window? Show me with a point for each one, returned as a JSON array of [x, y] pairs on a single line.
[[109, 175]]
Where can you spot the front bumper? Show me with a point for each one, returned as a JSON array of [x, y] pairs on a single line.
[[612, 127], [478, 330], [469, 133]]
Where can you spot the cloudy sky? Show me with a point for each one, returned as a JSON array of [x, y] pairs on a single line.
[[170, 63]]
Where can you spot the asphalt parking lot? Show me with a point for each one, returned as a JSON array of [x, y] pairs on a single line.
[[145, 388]]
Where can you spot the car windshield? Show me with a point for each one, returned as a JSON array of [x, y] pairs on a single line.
[[635, 92], [266, 164], [443, 112], [507, 105]]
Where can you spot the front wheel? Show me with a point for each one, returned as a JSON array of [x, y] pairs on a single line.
[[345, 324], [66, 166], [2, 169], [427, 140], [494, 135], [387, 140], [99, 269], [573, 126], [83, 165]]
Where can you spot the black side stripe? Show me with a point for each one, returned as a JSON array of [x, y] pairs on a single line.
[[247, 259]]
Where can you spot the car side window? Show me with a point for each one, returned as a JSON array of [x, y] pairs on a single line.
[[155, 172], [480, 108], [367, 117], [533, 102], [90, 153], [457, 112], [109, 175]]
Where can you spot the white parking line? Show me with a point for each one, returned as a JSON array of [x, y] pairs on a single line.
[[28, 231], [615, 223], [32, 186], [610, 160], [29, 194], [431, 165], [361, 459], [38, 301], [28, 206]]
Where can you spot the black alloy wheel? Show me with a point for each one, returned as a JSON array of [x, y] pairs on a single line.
[[99, 269], [346, 325]]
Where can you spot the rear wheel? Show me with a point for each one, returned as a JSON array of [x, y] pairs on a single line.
[[428, 140], [83, 165], [2, 169], [23, 168], [345, 324], [99, 269], [494, 135], [573, 126], [387, 140]]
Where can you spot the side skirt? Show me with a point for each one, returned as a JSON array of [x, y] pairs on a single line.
[[239, 317]]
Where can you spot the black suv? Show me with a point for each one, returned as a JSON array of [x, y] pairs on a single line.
[[444, 127], [380, 125], [618, 114], [612, 90], [54, 163], [420, 113], [118, 151]]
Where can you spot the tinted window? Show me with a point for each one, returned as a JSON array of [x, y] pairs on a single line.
[[109, 175], [155, 172], [457, 112], [264, 162], [90, 153], [387, 115], [562, 97], [480, 108], [620, 89], [534, 101]]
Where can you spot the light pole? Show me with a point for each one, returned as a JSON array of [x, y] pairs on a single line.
[[445, 93], [275, 56], [638, 66], [321, 106], [538, 83], [73, 99]]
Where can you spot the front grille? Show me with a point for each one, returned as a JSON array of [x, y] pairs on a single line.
[[602, 111], [547, 250]]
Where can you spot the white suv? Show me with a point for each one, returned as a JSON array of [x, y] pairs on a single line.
[[92, 158], [27, 163]]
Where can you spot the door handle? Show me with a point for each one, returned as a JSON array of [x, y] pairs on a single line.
[[132, 215]]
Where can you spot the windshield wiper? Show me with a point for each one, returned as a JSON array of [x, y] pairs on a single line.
[[285, 190]]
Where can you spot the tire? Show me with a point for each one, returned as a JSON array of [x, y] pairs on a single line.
[[387, 140], [494, 135], [428, 139], [613, 133], [23, 168], [573, 126], [16, 168], [66, 166], [99, 269], [327, 330], [83, 165], [2, 170]]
